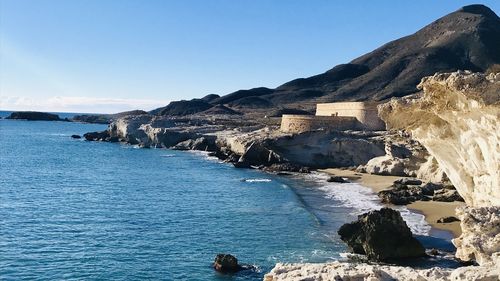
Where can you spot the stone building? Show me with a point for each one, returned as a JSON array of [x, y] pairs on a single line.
[[336, 116]]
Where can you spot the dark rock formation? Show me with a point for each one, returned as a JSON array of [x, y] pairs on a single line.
[[405, 191], [220, 109], [286, 167], [34, 116], [202, 144], [447, 195], [447, 219], [183, 107], [382, 236], [336, 179], [408, 181], [256, 154], [97, 136], [226, 263], [402, 195], [76, 136]]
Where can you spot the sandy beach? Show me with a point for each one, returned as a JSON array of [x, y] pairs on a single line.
[[431, 209]]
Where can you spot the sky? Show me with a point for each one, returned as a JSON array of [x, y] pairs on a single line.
[[107, 56]]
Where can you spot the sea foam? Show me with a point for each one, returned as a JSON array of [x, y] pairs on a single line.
[[362, 199]]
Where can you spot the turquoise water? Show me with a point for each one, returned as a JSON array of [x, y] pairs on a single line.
[[71, 209], [77, 210]]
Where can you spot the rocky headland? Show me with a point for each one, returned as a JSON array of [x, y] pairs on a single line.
[[35, 116]]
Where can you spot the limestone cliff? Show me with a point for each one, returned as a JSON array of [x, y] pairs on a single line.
[[456, 120]]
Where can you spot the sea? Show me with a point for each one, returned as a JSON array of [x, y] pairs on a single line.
[[77, 210]]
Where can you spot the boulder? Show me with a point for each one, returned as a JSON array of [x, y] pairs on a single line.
[[447, 195], [286, 167], [226, 263], [76, 136], [447, 220], [96, 136], [382, 236], [336, 179], [402, 194], [408, 181]]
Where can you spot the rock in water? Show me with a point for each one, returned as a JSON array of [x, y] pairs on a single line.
[[381, 235], [76, 136], [34, 116], [226, 263]]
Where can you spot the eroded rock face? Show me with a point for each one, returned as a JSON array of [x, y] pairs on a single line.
[[354, 272], [480, 239], [381, 235], [457, 120]]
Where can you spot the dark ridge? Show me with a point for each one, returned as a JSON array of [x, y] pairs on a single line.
[[209, 98], [251, 102], [185, 107], [467, 39], [255, 92], [220, 109], [281, 111], [479, 10]]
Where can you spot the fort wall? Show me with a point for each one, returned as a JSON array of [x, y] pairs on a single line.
[[304, 123], [365, 112]]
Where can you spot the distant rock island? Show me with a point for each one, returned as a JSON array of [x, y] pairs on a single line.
[[35, 116]]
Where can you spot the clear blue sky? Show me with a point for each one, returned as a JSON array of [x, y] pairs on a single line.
[[108, 56]]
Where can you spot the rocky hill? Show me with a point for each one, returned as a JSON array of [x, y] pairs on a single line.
[[467, 39]]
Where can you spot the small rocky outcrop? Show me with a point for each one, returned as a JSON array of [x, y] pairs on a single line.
[[286, 167], [406, 190], [226, 263], [447, 195], [34, 116], [447, 219], [97, 136], [381, 235], [202, 144], [336, 179], [76, 136]]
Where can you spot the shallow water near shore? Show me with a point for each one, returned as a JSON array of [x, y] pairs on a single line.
[[71, 209]]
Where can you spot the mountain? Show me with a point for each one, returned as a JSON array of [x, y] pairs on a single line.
[[468, 39]]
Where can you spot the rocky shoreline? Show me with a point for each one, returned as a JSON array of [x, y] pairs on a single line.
[[262, 146]]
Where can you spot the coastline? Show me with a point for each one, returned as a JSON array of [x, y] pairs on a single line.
[[432, 210]]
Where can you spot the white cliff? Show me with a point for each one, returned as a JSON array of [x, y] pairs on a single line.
[[457, 120], [358, 272]]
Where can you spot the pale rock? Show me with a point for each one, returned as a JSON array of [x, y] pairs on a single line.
[[480, 238], [457, 120]]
